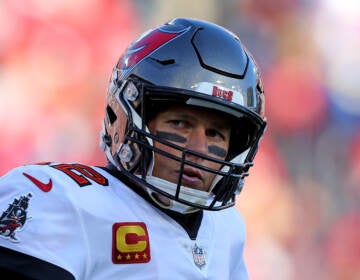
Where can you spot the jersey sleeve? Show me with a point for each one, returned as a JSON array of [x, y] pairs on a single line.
[[39, 222], [16, 265]]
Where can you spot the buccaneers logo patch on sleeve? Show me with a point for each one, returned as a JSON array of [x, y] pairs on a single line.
[[14, 217], [130, 243]]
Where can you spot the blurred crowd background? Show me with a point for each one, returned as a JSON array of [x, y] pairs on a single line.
[[301, 202]]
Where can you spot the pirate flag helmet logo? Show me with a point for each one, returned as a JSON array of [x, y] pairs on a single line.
[[14, 217]]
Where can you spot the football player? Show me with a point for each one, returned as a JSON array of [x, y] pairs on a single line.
[[183, 119]]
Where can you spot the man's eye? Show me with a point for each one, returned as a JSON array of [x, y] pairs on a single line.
[[214, 133], [177, 123]]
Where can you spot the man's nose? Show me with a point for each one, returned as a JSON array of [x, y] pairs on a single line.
[[197, 141]]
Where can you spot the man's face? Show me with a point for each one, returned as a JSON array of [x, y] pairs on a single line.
[[195, 129]]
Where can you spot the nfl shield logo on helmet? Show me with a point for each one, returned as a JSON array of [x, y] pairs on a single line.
[[199, 256]]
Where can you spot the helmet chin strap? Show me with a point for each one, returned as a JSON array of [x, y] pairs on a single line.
[[188, 194]]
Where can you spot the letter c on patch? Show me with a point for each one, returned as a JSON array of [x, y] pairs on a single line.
[[130, 238]]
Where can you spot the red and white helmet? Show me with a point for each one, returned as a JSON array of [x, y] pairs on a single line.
[[199, 64]]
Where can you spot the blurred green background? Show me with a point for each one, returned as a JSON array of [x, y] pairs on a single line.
[[301, 202]]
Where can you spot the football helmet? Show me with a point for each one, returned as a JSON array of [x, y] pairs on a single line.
[[191, 62]]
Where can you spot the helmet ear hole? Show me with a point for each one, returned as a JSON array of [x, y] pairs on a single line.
[[111, 116]]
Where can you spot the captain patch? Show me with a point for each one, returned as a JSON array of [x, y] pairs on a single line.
[[130, 243]]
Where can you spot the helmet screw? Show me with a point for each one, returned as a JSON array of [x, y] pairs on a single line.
[[131, 92], [126, 153]]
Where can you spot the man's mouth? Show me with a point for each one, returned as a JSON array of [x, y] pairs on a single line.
[[191, 177]]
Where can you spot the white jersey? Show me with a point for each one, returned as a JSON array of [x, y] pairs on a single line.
[[87, 222]]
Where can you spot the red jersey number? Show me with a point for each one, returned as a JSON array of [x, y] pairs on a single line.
[[82, 174]]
